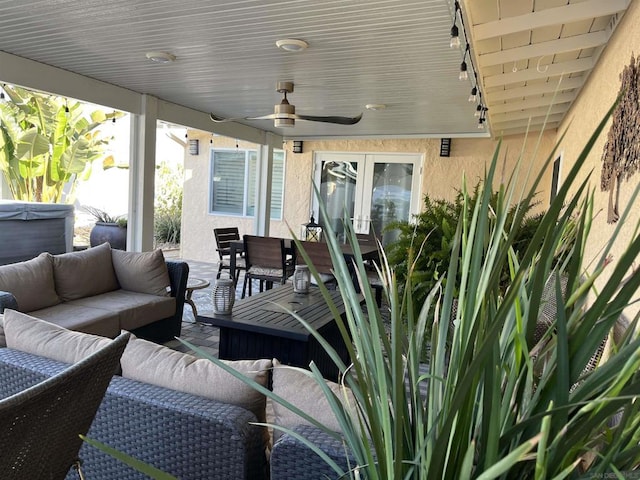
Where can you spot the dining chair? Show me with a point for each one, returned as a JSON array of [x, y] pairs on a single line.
[[40, 427], [224, 237], [266, 261], [320, 257]]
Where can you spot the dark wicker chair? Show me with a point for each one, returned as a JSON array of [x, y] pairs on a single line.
[[40, 426], [224, 237]]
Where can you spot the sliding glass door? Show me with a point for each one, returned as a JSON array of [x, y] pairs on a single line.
[[371, 189]]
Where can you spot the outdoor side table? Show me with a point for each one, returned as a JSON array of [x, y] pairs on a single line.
[[194, 284]]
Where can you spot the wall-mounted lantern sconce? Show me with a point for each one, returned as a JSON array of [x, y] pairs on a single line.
[[297, 146], [194, 146], [445, 147]]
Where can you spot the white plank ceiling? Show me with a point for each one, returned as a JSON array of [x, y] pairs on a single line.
[[392, 52]]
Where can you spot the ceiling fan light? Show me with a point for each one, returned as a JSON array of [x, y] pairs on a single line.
[[284, 122], [292, 45]]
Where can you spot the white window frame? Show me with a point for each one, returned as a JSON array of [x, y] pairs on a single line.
[[246, 184]]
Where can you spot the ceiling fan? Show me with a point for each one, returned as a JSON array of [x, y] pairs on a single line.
[[284, 114]]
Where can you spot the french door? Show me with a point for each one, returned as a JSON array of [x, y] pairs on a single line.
[[373, 190]]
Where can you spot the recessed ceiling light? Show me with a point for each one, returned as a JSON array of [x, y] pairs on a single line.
[[161, 57], [292, 44], [375, 106]]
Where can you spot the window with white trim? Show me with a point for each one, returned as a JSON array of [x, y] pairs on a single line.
[[233, 176]]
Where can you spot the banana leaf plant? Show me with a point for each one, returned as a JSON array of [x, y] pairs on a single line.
[[48, 144]]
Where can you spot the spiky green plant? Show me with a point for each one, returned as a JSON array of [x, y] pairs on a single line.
[[495, 406]]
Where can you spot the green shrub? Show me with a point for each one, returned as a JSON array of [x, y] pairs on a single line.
[[424, 245], [167, 227], [168, 205]]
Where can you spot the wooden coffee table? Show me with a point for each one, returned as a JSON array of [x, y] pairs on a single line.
[[261, 327]]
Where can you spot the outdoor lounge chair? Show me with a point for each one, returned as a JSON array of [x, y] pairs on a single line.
[[40, 426]]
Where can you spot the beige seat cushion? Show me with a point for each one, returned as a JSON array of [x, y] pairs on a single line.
[[132, 309], [302, 391], [31, 283], [142, 272], [28, 334], [159, 365], [83, 319], [84, 274]]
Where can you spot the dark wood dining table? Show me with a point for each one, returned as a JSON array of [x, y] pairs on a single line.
[[369, 251]]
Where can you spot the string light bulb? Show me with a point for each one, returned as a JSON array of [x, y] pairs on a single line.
[[463, 71], [455, 37], [66, 111], [464, 75], [473, 96], [454, 42]]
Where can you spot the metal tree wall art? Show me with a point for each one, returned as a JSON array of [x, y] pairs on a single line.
[[621, 156]]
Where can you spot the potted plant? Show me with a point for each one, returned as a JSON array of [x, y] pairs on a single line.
[[108, 228]]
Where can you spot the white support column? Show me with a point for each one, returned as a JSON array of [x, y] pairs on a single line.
[[142, 176], [263, 189]]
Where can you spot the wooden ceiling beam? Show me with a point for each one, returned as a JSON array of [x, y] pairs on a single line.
[[533, 113], [533, 103], [550, 70], [573, 12], [523, 123], [519, 131], [535, 89], [535, 50]]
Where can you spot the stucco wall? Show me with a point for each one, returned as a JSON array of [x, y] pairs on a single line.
[[441, 178], [596, 98]]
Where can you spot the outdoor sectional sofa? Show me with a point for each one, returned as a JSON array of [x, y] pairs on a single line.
[[182, 415], [100, 291]]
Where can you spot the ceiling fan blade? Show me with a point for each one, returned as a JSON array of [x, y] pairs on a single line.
[[331, 119], [216, 119]]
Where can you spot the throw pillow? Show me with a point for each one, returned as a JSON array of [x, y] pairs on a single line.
[[148, 362], [84, 274], [32, 335], [142, 272], [302, 391], [31, 283]]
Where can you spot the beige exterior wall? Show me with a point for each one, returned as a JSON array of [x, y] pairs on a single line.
[[596, 98], [441, 178]]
